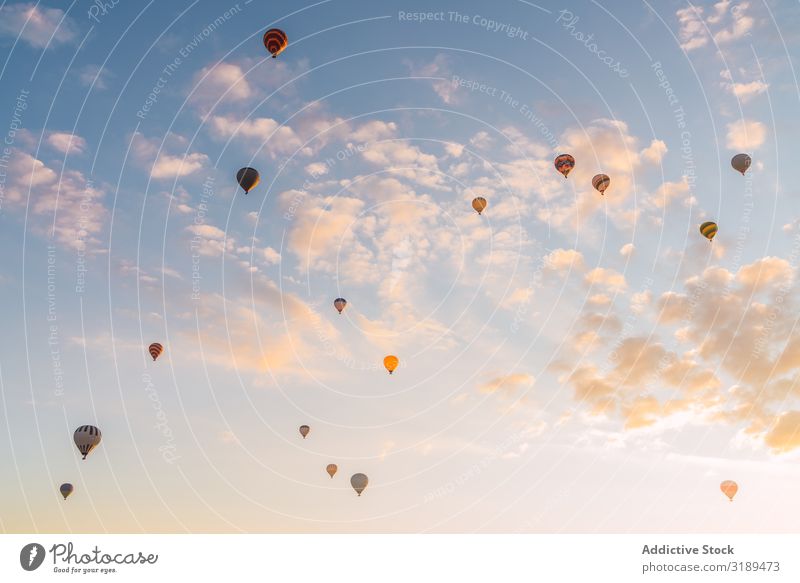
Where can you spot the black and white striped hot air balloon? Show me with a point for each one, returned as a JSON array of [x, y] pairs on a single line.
[[86, 438]]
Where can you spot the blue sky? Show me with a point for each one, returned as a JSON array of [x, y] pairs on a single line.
[[568, 362]]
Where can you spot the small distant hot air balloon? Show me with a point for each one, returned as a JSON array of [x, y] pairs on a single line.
[[601, 182], [340, 304], [304, 429], [391, 362], [275, 41], [66, 490], [729, 488], [564, 163], [331, 469], [479, 204], [86, 438], [155, 350], [708, 230], [248, 178], [359, 482], [741, 162]]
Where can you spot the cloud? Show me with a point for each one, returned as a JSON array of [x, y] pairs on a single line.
[[509, 383], [655, 152], [784, 435], [746, 135], [743, 91], [66, 206], [220, 83], [627, 250], [692, 29], [564, 259], [164, 165], [609, 278], [93, 75], [36, 25], [66, 142], [438, 67], [276, 139]]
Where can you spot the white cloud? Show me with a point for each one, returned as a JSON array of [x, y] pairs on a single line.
[[162, 164], [692, 33], [37, 25], [66, 142], [746, 135]]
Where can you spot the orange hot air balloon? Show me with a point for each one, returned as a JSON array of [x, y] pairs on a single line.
[[479, 204], [332, 469], [275, 41], [155, 350], [391, 362], [729, 488], [304, 429]]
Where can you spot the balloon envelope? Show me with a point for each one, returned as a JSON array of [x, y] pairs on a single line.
[[331, 469], [708, 230], [340, 304], [155, 350], [304, 429], [601, 182], [275, 41], [66, 490], [564, 163], [391, 362], [86, 438], [359, 482], [479, 204], [248, 178], [741, 162], [729, 488]]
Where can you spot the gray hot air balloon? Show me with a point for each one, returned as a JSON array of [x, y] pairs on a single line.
[[741, 162], [359, 482], [86, 437], [304, 429], [66, 489]]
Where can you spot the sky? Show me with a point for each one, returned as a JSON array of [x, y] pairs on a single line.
[[569, 362]]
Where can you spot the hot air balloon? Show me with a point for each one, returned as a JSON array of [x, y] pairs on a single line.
[[304, 429], [340, 304], [708, 230], [331, 469], [390, 362], [155, 350], [729, 488], [66, 490], [275, 40], [601, 182], [86, 437], [359, 482], [248, 178], [479, 204], [741, 162], [564, 163]]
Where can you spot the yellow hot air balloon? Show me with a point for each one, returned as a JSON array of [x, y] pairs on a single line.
[[601, 182], [708, 230], [304, 429], [729, 488], [391, 362], [479, 204], [359, 482], [331, 469]]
